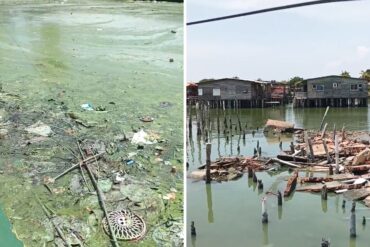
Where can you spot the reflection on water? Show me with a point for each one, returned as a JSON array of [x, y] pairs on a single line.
[[209, 203], [303, 219]]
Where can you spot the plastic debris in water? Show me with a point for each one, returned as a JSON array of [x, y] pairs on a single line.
[[39, 128], [125, 225], [130, 162], [141, 138], [87, 107]]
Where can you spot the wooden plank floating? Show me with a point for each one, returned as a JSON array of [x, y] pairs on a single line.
[[292, 182]]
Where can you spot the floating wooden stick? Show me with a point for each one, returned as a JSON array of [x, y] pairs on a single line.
[[85, 162], [285, 163], [50, 217], [101, 200]]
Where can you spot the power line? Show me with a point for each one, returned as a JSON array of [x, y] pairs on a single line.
[[297, 5]]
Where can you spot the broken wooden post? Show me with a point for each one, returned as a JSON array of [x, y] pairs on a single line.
[[292, 182], [363, 220], [292, 148], [190, 122], [328, 158], [336, 155], [259, 151], [352, 221], [243, 134], [343, 133], [254, 177], [344, 204], [192, 229], [255, 152], [325, 243], [334, 132], [331, 172], [324, 130], [281, 145], [250, 172], [208, 162], [258, 144], [280, 198], [260, 184], [308, 147], [264, 211], [324, 193], [323, 118]]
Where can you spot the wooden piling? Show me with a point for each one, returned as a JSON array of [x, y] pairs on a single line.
[[254, 177], [292, 150], [363, 220], [264, 211], [250, 172], [352, 221], [328, 158], [324, 193], [208, 162], [324, 130], [336, 154], [192, 229], [260, 184], [280, 198], [323, 118]]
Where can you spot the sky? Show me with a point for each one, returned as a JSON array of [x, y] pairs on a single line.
[[308, 42]]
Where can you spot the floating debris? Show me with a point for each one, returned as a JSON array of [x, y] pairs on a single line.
[[87, 107], [126, 225], [146, 119], [39, 128], [141, 137]]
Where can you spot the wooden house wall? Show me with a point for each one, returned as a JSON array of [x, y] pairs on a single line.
[[343, 89]]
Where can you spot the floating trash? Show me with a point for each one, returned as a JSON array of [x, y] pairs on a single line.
[[39, 128], [125, 225], [130, 162], [146, 119], [87, 107], [141, 138]]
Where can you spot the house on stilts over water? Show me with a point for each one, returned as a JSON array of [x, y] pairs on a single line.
[[335, 91], [234, 92]]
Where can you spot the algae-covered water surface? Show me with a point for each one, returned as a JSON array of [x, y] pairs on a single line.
[[93, 73]]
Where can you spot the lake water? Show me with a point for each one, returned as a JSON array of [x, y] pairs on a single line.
[[229, 214]]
